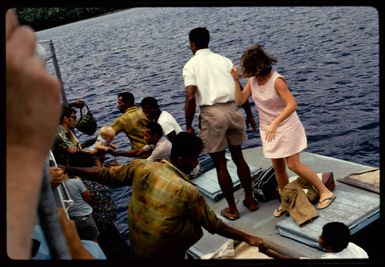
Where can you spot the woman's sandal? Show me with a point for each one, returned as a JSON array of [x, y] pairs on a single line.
[[278, 212]]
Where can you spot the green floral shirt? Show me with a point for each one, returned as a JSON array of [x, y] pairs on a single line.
[[61, 144], [166, 212]]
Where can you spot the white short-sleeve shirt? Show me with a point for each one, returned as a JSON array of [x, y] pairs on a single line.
[[352, 251], [168, 123], [210, 72]]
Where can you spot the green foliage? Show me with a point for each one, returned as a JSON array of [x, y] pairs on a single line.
[[45, 18]]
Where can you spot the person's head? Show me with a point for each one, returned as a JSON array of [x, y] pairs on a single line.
[[185, 151], [68, 117], [199, 39], [335, 237], [150, 108], [125, 100], [255, 62], [108, 133], [153, 133]]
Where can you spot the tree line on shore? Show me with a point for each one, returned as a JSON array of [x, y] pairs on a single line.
[[45, 18]]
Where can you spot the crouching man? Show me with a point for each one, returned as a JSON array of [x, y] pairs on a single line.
[[166, 211]]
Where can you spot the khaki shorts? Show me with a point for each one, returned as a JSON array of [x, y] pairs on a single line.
[[221, 125]]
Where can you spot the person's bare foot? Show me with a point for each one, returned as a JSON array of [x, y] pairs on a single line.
[[250, 205], [228, 214]]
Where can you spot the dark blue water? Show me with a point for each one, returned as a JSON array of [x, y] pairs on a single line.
[[329, 55]]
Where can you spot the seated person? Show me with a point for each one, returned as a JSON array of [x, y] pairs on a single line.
[[102, 145], [156, 142], [66, 148], [81, 210], [335, 239]]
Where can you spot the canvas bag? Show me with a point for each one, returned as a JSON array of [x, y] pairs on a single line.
[[87, 123], [264, 184]]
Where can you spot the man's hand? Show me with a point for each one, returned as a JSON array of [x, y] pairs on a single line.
[[77, 103], [254, 241]]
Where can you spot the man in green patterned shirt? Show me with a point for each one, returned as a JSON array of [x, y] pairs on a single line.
[[166, 211], [133, 122]]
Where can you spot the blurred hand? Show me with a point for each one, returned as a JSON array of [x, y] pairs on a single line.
[[33, 96], [77, 250]]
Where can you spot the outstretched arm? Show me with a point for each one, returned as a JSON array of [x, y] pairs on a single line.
[[90, 173], [233, 233], [129, 153]]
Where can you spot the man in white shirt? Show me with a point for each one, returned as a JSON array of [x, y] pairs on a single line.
[[157, 144], [168, 123], [209, 85], [335, 239]]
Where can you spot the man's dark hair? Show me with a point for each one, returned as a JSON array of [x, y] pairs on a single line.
[[127, 98], [149, 102], [186, 144], [336, 235], [66, 112], [200, 37], [155, 128]]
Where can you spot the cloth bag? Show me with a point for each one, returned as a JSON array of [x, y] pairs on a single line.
[[232, 249], [87, 123], [264, 184]]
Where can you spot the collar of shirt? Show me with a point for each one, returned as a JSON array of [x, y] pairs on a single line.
[[203, 51], [131, 109], [181, 174]]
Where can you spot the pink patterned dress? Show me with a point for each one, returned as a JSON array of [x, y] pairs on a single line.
[[290, 137]]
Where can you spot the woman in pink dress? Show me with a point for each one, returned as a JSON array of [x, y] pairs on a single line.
[[282, 133]]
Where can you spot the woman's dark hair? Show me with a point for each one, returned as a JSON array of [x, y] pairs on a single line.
[[336, 235], [255, 62], [200, 37], [186, 144]]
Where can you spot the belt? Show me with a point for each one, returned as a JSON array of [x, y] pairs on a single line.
[[202, 106]]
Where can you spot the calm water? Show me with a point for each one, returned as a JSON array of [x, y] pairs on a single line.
[[329, 55]]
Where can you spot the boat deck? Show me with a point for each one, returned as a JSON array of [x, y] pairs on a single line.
[[262, 223]]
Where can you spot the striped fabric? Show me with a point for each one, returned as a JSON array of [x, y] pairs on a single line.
[[290, 137], [166, 211]]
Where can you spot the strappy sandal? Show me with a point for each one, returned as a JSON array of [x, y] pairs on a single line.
[[278, 212]]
